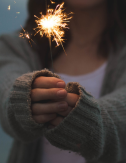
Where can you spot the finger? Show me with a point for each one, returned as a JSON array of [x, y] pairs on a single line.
[[72, 99], [48, 82], [44, 118], [56, 121], [46, 94], [48, 108], [66, 112]]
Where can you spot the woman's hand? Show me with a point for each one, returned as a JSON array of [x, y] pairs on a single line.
[[71, 99], [60, 105], [48, 88]]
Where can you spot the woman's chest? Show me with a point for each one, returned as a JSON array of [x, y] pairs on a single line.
[[78, 65]]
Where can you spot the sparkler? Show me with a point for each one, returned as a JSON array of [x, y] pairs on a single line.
[[26, 35], [53, 24]]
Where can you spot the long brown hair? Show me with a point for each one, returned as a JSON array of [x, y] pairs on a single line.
[[116, 25]]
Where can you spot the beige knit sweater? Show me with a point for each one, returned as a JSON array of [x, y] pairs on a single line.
[[98, 125]]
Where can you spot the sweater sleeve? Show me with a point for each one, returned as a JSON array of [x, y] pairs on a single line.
[[19, 107], [95, 129], [17, 72]]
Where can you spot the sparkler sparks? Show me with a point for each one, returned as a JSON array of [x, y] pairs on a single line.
[[9, 7], [53, 24], [26, 35], [52, 2]]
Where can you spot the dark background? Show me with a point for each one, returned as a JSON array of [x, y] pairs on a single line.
[[9, 22]]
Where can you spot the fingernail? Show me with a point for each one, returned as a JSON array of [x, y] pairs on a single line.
[[62, 106], [61, 84], [61, 93]]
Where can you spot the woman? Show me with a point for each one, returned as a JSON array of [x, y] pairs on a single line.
[[42, 114]]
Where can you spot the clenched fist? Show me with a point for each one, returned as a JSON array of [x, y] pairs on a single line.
[[50, 99]]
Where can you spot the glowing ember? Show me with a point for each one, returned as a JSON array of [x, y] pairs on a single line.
[[53, 24], [9, 7], [52, 2], [26, 35]]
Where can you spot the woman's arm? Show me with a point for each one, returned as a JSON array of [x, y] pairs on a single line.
[[16, 63], [16, 60], [96, 129]]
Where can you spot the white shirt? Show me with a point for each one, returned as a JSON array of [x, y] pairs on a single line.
[[92, 83]]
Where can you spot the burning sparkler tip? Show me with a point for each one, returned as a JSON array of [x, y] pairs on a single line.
[[53, 24]]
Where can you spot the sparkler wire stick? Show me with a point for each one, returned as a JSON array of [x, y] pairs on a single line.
[[51, 54], [50, 44]]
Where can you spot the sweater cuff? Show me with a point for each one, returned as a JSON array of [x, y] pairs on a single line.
[[20, 114], [81, 131]]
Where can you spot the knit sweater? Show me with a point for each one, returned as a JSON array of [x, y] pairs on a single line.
[[95, 129]]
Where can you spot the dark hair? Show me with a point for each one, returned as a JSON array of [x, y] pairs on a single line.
[[116, 24]]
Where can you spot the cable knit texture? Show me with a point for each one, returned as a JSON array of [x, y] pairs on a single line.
[[96, 129]]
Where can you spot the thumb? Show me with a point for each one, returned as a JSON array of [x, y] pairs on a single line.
[[72, 99]]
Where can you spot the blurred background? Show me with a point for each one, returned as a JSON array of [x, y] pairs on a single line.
[[12, 15]]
